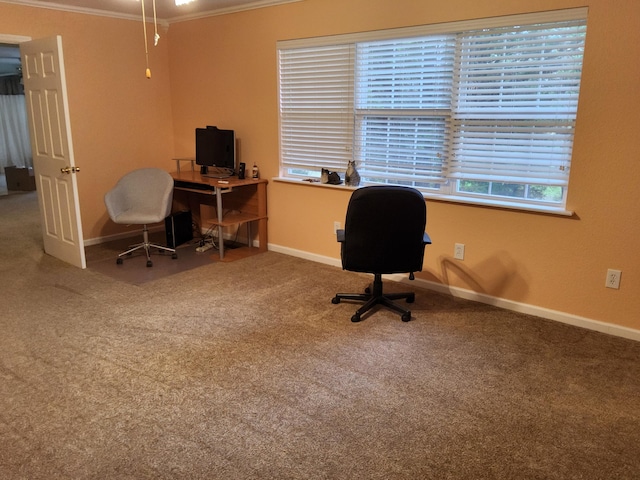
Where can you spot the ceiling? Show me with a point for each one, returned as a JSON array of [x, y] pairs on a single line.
[[166, 12]]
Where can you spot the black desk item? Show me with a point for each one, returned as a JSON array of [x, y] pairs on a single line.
[[179, 228], [383, 234]]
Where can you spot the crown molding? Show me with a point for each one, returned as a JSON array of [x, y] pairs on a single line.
[[162, 21], [71, 9], [224, 11]]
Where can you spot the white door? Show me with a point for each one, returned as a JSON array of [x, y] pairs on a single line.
[[53, 162]]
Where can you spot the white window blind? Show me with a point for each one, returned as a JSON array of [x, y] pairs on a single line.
[[480, 108], [400, 149], [405, 74], [516, 102], [316, 107], [403, 106]]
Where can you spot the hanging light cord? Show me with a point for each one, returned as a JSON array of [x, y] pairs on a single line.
[[156, 37], [146, 49]]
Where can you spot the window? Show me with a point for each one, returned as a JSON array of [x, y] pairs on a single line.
[[480, 111]]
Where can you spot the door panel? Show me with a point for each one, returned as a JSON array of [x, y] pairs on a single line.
[[52, 147]]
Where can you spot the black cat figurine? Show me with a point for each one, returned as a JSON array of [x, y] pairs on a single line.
[[332, 178]]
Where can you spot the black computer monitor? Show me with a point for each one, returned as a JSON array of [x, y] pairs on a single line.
[[216, 148]]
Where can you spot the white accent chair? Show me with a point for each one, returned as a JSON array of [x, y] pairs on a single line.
[[141, 197]]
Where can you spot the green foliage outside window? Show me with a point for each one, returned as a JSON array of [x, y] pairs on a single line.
[[544, 193]]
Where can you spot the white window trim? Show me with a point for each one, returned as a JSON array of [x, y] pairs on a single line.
[[448, 27]]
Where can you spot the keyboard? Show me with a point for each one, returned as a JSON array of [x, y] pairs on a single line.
[[193, 186]]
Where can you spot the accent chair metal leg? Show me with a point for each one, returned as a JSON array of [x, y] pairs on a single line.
[[147, 246]]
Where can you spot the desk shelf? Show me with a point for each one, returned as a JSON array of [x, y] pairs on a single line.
[[234, 218], [240, 201]]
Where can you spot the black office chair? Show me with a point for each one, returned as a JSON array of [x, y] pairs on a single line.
[[384, 233]]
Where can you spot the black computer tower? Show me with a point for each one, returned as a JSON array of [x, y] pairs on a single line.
[[178, 227]]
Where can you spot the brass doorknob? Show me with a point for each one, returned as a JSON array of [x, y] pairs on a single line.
[[70, 169]]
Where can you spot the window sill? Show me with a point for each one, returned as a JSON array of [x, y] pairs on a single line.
[[314, 183], [543, 209], [503, 205]]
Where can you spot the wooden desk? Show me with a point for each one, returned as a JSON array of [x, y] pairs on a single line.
[[220, 203]]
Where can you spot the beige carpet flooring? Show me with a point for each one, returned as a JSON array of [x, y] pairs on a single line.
[[245, 370]]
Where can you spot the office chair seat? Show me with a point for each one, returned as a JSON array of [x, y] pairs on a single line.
[[384, 234], [141, 197]]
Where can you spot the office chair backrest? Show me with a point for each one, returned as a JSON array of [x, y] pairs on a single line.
[[384, 230], [145, 193]]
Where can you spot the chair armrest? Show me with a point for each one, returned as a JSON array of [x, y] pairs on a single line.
[[340, 235], [426, 239]]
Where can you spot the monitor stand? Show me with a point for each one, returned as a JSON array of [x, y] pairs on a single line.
[[217, 172]]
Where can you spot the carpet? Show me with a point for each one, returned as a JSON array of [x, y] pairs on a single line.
[[245, 370]]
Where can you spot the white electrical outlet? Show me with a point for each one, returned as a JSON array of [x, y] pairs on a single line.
[[458, 251], [336, 227], [613, 278]]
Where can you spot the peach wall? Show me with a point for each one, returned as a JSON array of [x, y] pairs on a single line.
[[223, 71], [119, 119]]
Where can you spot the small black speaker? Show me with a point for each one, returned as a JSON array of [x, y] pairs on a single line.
[[241, 169], [178, 227]]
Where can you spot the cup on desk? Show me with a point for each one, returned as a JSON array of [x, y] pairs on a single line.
[[241, 170]]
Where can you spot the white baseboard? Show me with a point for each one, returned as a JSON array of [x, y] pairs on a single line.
[[306, 255], [160, 228], [120, 236], [542, 312]]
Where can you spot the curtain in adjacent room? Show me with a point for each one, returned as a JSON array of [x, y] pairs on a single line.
[[15, 147]]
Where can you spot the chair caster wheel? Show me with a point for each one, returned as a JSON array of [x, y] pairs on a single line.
[[406, 317], [149, 263], [335, 300], [411, 299], [355, 318], [119, 261], [174, 256]]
